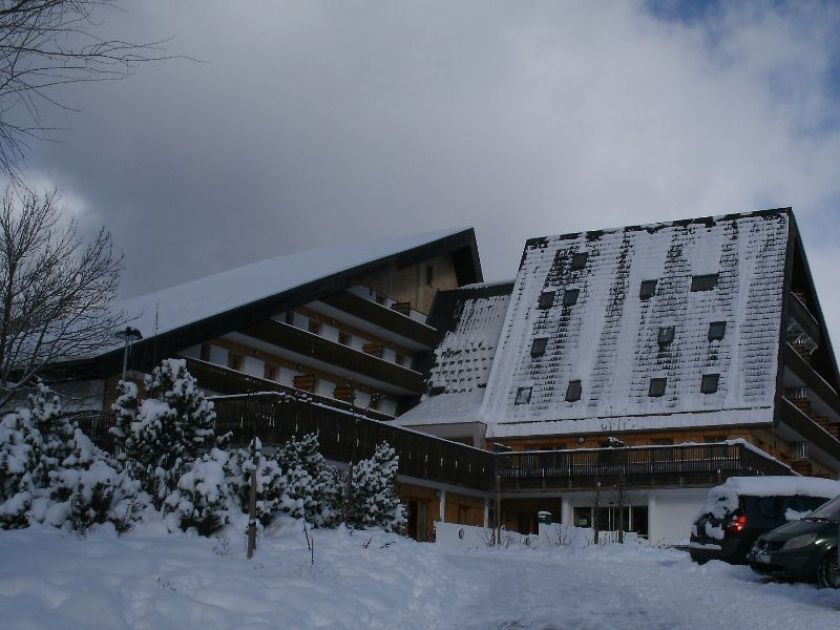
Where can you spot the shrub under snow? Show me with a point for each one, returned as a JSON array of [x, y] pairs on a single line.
[[375, 497], [202, 495]]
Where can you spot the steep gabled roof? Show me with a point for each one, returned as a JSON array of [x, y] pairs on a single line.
[[601, 331], [179, 316], [470, 319]]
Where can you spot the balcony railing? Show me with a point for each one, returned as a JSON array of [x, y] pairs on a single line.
[[344, 436], [221, 380], [678, 465]]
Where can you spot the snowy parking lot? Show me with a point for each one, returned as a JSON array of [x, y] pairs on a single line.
[[150, 579]]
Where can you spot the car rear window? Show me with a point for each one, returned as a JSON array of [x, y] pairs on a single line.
[[786, 508]]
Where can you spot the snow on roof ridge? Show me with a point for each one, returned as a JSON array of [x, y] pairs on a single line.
[[659, 225]]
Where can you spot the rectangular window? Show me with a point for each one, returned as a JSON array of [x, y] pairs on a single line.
[[270, 372], [523, 396], [648, 289], [704, 283], [665, 336], [538, 346], [709, 384], [573, 391], [546, 299], [570, 297], [657, 387], [578, 261], [717, 330], [430, 275]]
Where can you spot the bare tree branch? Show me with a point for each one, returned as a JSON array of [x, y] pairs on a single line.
[[55, 290], [45, 44]]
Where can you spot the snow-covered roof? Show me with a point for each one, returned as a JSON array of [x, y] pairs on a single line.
[[608, 337], [598, 328], [771, 486], [174, 307], [471, 318]]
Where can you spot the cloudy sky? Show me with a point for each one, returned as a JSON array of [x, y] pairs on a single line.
[[312, 122]]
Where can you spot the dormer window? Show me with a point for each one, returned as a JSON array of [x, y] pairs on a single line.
[[717, 330], [573, 391], [523, 396], [546, 299], [709, 384], [665, 336], [538, 346], [570, 297], [704, 283], [578, 261], [657, 387], [648, 289]]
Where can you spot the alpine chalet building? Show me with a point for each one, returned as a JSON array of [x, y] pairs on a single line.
[[626, 360]]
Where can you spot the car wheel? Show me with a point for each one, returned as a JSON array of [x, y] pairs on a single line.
[[827, 570]]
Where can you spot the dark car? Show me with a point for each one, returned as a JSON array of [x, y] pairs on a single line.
[[738, 512], [804, 550]]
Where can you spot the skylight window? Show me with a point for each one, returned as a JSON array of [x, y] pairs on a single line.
[[648, 289], [573, 391], [546, 299], [717, 330], [538, 346], [709, 384], [578, 261], [665, 336], [704, 283], [657, 387], [523, 396], [570, 297]]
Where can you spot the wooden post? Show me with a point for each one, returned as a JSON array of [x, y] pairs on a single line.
[[498, 510], [252, 507]]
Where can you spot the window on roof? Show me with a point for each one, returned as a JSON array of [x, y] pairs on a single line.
[[578, 261], [709, 384], [573, 391], [704, 283], [648, 289], [665, 336], [538, 346], [570, 297], [657, 387], [717, 330], [430, 275], [523, 396], [546, 299]]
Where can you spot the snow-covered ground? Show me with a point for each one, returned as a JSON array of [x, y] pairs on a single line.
[[148, 579]]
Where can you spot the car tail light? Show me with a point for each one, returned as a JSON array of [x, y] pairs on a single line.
[[737, 524]]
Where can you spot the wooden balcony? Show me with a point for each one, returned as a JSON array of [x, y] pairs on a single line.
[[678, 465], [344, 436], [220, 380], [334, 353]]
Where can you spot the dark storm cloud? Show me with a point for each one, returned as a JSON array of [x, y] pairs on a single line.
[[312, 123]]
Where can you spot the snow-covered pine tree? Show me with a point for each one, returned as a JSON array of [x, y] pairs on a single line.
[[375, 499], [202, 495], [125, 410], [271, 483], [312, 487], [51, 472], [173, 424]]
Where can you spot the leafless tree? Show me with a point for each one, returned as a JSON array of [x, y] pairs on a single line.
[[55, 290], [44, 44]]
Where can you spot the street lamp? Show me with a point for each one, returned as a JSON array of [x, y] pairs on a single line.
[[129, 335]]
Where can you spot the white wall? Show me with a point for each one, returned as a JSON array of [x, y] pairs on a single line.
[[671, 513]]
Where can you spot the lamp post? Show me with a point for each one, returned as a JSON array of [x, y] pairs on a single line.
[[129, 335]]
